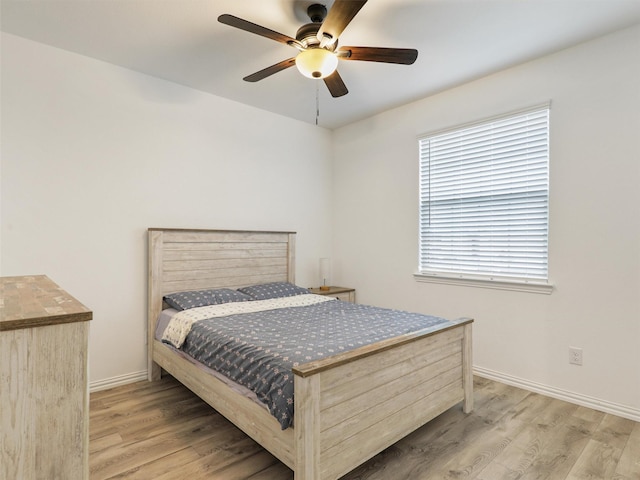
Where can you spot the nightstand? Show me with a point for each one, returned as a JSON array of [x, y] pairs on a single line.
[[341, 293]]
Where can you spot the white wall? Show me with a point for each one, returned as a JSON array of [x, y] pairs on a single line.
[[594, 225], [94, 154]]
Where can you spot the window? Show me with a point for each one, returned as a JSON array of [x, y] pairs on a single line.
[[484, 200]]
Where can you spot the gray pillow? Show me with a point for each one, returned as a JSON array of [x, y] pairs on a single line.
[[203, 298], [265, 291]]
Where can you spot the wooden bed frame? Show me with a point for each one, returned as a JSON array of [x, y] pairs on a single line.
[[348, 407]]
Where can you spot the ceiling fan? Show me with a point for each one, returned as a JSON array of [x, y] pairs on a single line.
[[317, 45]]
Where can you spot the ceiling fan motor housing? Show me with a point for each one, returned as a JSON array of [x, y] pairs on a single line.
[[308, 34]]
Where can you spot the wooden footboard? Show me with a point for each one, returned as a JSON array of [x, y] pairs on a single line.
[[351, 407]]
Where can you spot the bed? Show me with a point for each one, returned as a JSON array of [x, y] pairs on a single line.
[[325, 441]]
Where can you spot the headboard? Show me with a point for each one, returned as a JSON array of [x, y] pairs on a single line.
[[181, 259]]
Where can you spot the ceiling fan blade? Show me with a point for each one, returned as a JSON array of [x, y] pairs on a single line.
[[257, 29], [336, 86], [404, 56], [266, 72], [339, 16]]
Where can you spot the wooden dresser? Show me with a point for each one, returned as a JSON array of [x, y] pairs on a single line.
[[44, 396]]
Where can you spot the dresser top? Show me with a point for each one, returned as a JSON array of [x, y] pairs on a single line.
[[35, 301]]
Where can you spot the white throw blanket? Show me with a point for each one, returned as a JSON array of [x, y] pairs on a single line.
[[180, 324]]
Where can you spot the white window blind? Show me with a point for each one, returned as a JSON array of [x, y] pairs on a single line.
[[484, 193]]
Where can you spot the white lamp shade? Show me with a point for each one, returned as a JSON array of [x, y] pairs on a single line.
[[316, 62]]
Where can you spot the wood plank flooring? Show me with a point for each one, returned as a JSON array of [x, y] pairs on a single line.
[[162, 431]]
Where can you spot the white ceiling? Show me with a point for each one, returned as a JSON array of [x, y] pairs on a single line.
[[182, 41]]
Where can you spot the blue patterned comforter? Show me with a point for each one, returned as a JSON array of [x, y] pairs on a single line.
[[258, 350]]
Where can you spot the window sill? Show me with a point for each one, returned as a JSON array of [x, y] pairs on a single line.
[[498, 284]]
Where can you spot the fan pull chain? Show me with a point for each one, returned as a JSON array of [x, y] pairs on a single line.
[[317, 101]]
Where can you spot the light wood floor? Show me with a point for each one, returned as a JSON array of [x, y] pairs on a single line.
[[161, 431]]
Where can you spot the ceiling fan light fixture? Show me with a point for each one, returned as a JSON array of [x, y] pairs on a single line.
[[316, 62]]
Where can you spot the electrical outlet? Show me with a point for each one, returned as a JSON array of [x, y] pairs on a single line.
[[575, 356]]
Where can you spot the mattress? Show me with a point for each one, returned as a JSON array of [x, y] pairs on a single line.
[[258, 349]]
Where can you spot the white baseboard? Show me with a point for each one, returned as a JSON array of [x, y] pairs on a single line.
[[577, 398], [117, 381]]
